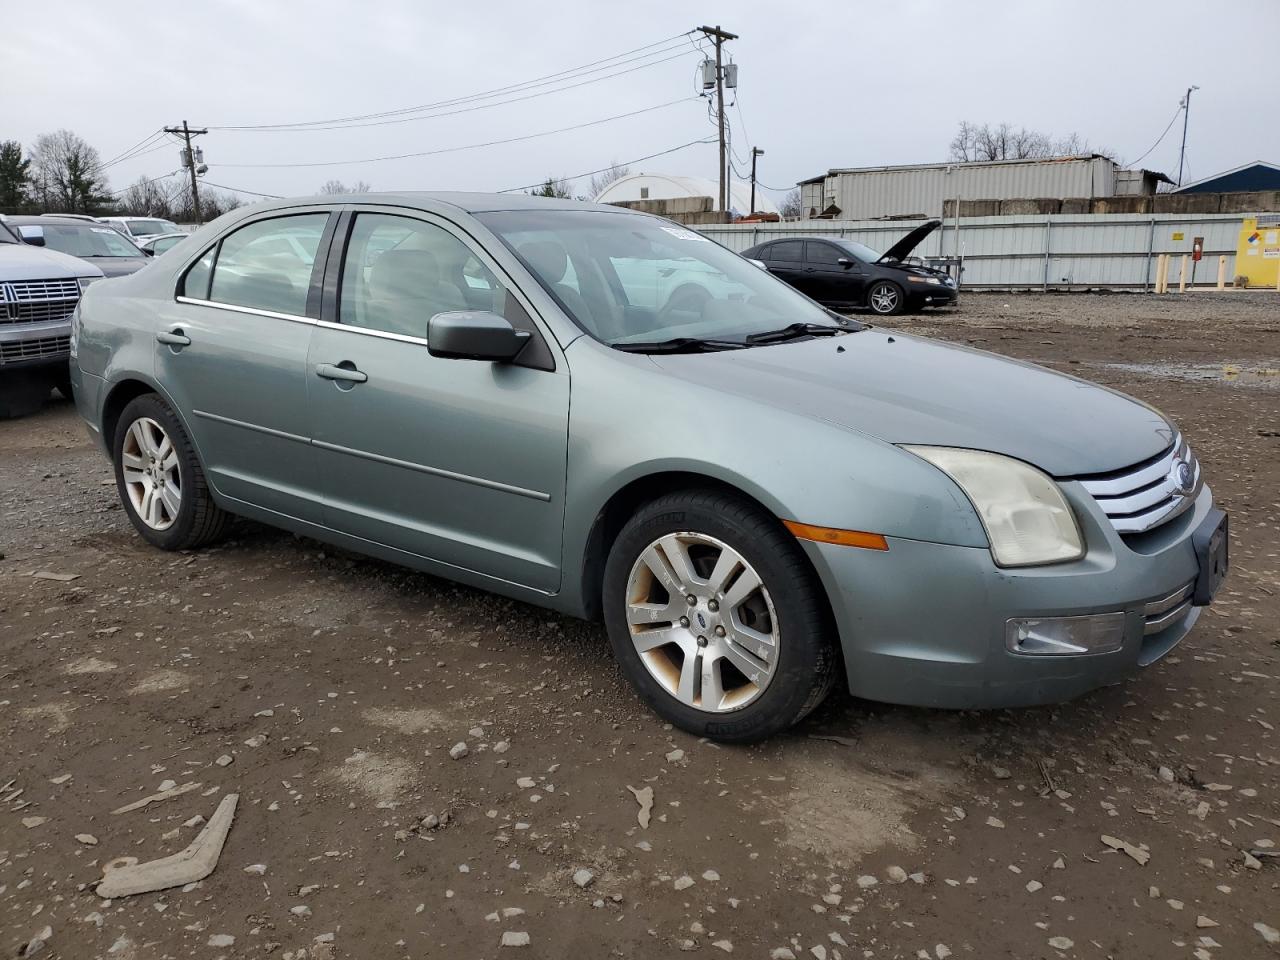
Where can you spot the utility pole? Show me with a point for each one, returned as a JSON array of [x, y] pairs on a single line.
[[190, 162], [1186, 114], [719, 37], [755, 152]]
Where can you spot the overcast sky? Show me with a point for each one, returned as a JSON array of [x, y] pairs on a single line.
[[821, 85]]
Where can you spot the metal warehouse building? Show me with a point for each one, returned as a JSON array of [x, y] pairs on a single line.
[[919, 190]]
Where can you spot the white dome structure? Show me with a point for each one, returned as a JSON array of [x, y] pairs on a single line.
[[667, 186]]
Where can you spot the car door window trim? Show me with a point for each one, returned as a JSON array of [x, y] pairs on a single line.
[[237, 308]]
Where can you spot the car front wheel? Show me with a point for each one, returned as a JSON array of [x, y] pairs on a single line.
[[886, 298], [716, 618], [159, 477]]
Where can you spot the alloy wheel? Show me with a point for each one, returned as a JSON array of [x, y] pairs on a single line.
[[151, 476], [884, 299], [702, 622]]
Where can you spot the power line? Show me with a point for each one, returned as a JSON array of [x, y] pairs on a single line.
[[165, 176], [451, 113], [469, 146], [252, 193], [1174, 119], [589, 173], [509, 88]]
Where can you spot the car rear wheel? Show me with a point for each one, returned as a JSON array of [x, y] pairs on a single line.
[[159, 478], [716, 618], [886, 298]]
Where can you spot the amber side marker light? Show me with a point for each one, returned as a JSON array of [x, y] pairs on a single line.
[[843, 538]]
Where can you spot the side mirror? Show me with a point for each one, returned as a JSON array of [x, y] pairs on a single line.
[[148, 251], [474, 335], [33, 234], [845, 262]]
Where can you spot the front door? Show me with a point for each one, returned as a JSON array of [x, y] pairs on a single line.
[[785, 260], [232, 351], [459, 461], [834, 283]]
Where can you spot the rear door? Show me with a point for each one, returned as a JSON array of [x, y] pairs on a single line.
[[833, 282], [232, 350], [458, 461], [785, 260]]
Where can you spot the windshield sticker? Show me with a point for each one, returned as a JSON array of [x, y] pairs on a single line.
[[684, 234]]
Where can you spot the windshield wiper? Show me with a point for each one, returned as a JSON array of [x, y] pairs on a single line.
[[679, 345], [795, 331]]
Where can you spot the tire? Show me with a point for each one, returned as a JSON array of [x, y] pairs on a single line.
[[62, 383], [22, 392], [886, 298], [189, 520], [796, 671]]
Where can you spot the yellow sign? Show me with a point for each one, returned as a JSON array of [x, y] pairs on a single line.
[[1257, 258], [1178, 236]]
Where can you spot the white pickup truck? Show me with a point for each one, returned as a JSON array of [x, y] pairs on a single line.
[[39, 291]]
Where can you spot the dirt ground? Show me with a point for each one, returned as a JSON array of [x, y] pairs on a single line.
[[336, 687]]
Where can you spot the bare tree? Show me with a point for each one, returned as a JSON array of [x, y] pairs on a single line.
[[66, 175], [980, 142], [602, 180], [337, 186], [150, 198], [791, 208]]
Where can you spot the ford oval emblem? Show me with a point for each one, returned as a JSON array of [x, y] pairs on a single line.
[[1183, 477], [702, 621]]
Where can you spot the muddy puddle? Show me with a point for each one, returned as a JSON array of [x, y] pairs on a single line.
[[1265, 376]]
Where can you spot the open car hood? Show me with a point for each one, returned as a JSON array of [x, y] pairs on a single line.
[[902, 249]]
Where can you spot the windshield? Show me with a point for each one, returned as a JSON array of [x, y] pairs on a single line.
[[858, 250], [145, 228], [84, 240], [626, 279]]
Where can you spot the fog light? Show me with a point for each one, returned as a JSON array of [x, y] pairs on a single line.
[[1065, 636]]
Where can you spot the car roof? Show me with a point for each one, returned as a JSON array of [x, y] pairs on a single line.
[[434, 200], [46, 219]]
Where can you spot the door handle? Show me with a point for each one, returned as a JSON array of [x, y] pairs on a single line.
[[174, 338], [809, 269], [331, 371]]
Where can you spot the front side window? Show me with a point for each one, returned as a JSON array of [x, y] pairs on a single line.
[[399, 272], [824, 254], [83, 241], [160, 246], [267, 264]]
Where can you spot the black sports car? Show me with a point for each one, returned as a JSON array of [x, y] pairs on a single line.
[[845, 274]]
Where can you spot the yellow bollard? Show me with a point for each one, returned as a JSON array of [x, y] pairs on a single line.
[[1222, 273], [1182, 274], [1162, 274], [1159, 272]]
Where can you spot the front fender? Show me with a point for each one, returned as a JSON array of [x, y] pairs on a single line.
[[798, 467]]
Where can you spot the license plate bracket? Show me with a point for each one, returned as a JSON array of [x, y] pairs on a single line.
[[1213, 554]]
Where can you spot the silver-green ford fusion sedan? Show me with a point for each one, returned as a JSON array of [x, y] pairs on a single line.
[[607, 414]]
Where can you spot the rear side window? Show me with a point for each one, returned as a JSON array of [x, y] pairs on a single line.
[[196, 283], [787, 250], [266, 265]]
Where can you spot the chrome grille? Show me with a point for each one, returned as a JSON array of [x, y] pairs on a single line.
[[1159, 615], [34, 349], [38, 301], [1143, 497]]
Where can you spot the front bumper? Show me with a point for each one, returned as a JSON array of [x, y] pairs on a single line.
[[28, 345], [924, 623], [929, 295]]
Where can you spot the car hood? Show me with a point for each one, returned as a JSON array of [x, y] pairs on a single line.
[[902, 249], [904, 389], [21, 261], [117, 266]]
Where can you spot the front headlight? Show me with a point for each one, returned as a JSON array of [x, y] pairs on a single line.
[[1027, 519], [85, 281], [915, 279]]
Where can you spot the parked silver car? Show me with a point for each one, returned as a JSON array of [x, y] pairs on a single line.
[[756, 495]]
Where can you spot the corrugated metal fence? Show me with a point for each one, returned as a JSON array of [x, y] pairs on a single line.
[[1040, 252]]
